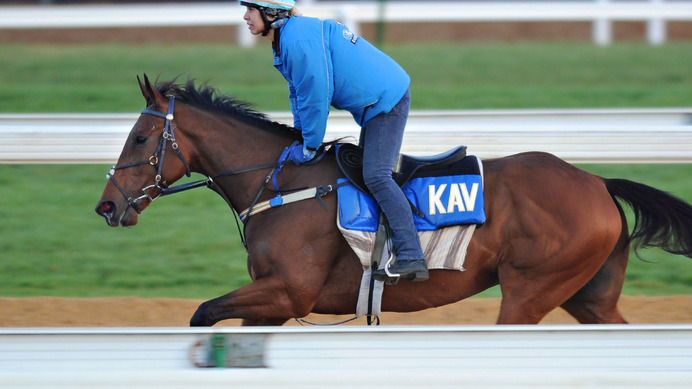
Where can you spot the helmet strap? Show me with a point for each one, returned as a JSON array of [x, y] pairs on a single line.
[[267, 23], [280, 19]]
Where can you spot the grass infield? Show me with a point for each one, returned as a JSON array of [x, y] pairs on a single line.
[[187, 245]]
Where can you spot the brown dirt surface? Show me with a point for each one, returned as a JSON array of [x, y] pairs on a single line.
[[167, 312]]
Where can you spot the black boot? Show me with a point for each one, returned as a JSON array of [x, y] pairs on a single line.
[[414, 270]]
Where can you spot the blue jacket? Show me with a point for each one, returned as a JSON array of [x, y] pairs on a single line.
[[326, 65]]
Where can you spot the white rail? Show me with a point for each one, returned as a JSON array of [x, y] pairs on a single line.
[[601, 13], [601, 135], [455, 356]]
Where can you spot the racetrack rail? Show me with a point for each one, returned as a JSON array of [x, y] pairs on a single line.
[[576, 135], [403, 356]]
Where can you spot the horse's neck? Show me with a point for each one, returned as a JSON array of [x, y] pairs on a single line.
[[225, 146]]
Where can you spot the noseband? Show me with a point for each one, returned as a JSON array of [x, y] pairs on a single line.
[[156, 160]]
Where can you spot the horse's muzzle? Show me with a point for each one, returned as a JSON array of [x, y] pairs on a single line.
[[107, 210]]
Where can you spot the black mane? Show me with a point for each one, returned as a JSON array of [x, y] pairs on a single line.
[[208, 98]]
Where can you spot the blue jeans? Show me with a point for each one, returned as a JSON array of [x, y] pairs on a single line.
[[381, 140]]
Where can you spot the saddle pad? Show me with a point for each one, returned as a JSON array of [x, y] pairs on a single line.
[[442, 201], [437, 197], [443, 249]]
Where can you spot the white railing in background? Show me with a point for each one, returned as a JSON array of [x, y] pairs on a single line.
[[594, 356], [601, 13], [578, 136]]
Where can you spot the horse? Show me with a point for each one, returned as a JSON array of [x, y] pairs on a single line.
[[554, 235]]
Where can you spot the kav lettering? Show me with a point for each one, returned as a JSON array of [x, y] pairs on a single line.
[[459, 199]]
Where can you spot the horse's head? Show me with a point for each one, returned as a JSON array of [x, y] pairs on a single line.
[[143, 169]]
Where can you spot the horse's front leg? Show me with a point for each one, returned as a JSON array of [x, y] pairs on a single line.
[[266, 301], [264, 322]]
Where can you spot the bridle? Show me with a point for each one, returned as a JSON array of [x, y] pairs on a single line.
[[156, 160], [161, 186]]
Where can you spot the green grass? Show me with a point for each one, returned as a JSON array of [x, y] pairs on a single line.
[[101, 77], [52, 242], [187, 245]]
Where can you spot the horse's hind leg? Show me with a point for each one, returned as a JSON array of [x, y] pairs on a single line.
[[596, 302], [584, 275], [527, 299]]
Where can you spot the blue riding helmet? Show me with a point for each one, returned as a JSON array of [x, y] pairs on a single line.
[[278, 11], [283, 4]]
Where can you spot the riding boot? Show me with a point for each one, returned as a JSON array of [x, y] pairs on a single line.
[[413, 270]]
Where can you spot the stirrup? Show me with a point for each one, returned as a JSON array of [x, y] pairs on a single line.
[[418, 272], [387, 277]]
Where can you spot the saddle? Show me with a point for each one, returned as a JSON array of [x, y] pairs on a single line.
[[349, 157], [445, 194]]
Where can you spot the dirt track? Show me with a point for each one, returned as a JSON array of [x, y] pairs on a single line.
[[137, 312]]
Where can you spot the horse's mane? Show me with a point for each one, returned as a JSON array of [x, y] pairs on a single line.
[[208, 98]]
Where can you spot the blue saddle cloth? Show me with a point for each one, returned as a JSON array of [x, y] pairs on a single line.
[[444, 200]]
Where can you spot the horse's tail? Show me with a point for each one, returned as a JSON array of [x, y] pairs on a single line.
[[661, 219]]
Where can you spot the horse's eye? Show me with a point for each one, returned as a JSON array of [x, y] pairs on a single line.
[[140, 139]]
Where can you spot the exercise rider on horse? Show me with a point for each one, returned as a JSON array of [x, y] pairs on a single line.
[[326, 65]]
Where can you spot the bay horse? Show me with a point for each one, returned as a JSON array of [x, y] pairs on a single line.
[[555, 236]]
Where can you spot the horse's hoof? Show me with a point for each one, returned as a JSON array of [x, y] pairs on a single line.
[[201, 317]]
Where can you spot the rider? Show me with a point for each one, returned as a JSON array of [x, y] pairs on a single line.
[[326, 65]]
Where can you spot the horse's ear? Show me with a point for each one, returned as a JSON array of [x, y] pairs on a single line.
[[142, 87], [148, 91]]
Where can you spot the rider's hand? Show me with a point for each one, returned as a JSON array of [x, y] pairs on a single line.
[[299, 154]]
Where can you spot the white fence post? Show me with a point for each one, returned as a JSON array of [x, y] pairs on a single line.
[[346, 15], [602, 28], [656, 28], [245, 38]]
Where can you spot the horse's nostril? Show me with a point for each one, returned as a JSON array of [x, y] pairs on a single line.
[[107, 206]]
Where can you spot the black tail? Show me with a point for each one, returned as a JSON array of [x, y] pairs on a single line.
[[661, 219]]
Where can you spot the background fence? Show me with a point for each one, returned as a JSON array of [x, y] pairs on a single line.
[[593, 135], [600, 13]]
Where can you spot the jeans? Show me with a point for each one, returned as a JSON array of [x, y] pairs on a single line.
[[381, 140]]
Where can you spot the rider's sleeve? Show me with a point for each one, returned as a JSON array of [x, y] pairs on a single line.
[[292, 98], [308, 66]]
